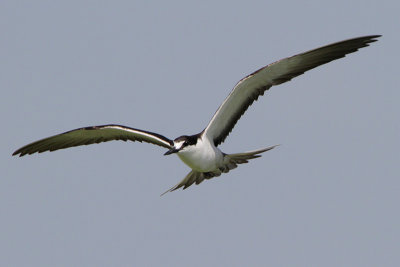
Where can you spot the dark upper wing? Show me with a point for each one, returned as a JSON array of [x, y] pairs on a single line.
[[248, 89], [93, 135]]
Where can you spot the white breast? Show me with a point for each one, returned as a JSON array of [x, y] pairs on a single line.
[[203, 157]]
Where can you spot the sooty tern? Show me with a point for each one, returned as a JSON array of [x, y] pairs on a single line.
[[200, 151]]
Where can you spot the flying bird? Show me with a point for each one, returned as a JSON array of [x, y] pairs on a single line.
[[200, 151]]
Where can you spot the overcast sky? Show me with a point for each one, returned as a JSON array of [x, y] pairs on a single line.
[[328, 196]]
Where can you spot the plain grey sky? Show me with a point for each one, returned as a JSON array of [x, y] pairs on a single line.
[[329, 196]]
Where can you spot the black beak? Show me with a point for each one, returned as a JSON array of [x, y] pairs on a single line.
[[171, 151]]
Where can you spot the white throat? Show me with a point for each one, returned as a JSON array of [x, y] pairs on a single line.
[[202, 157]]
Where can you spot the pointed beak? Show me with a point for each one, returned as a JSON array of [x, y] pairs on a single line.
[[171, 151]]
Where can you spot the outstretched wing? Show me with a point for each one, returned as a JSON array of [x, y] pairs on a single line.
[[251, 87], [93, 135]]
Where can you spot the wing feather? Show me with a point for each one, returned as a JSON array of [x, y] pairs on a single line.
[[248, 89], [93, 135]]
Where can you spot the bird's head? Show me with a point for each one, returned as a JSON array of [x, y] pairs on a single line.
[[181, 143]]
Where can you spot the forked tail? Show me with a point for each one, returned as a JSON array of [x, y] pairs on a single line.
[[240, 158], [230, 162]]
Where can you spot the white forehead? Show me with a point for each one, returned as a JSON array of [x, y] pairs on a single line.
[[178, 144]]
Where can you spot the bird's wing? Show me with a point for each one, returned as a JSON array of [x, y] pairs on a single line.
[[248, 89], [93, 135]]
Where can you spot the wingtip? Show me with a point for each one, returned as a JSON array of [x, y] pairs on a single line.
[[21, 153], [374, 38], [16, 153], [370, 39]]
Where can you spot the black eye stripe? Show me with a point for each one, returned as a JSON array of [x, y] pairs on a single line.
[[187, 140]]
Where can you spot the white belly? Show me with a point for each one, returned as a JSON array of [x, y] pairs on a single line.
[[203, 157]]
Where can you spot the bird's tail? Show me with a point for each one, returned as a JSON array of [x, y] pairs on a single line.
[[230, 162], [244, 157]]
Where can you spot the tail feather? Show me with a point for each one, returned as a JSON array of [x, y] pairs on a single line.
[[240, 158], [230, 162], [189, 179]]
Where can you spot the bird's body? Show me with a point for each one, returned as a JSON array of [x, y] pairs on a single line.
[[200, 151], [203, 156]]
